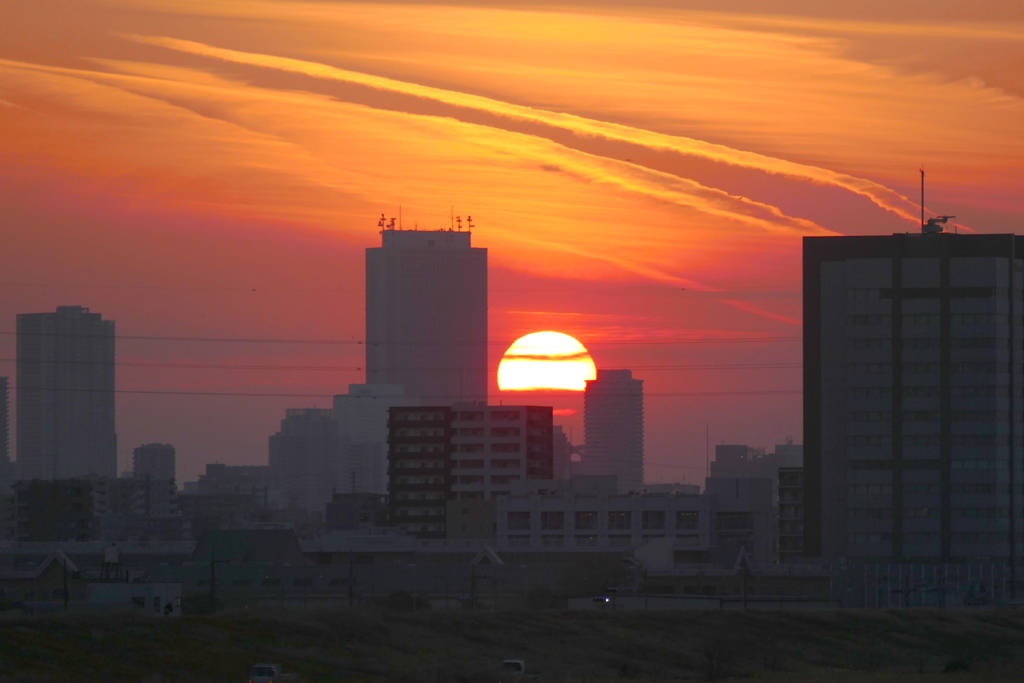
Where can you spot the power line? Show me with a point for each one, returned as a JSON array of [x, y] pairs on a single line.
[[360, 342], [344, 368], [505, 396]]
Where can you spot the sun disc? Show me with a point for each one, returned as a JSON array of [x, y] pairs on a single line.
[[546, 360]]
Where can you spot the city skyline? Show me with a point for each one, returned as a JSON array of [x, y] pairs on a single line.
[[193, 179]]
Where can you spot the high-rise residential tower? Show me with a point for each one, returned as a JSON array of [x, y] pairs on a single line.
[[613, 429], [912, 397], [65, 395], [426, 315]]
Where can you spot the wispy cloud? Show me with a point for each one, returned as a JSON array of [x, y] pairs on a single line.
[[879, 194]]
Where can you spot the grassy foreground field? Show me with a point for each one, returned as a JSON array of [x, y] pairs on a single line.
[[795, 647]]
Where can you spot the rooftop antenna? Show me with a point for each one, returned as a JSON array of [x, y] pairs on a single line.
[[451, 220], [469, 222], [458, 219], [922, 197], [380, 223]]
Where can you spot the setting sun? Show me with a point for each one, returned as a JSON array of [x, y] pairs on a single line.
[[546, 360]]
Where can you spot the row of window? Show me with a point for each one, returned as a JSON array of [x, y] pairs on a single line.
[[974, 391], [928, 489], [923, 537], [415, 480], [929, 513], [426, 495], [479, 448], [885, 319], [521, 520], [559, 540], [423, 464], [885, 293], [495, 479], [925, 343], [930, 416], [956, 440], [421, 512], [417, 448]]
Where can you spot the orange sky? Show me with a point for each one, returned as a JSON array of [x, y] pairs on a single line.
[[214, 169]]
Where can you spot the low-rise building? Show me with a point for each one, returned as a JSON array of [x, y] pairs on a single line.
[[52, 511], [733, 513]]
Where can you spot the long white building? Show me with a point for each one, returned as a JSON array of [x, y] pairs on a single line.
[[426, 315]]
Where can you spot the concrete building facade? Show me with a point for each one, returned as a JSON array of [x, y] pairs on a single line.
[[912, 397], [65, 395], [426, 315], [613, 429]]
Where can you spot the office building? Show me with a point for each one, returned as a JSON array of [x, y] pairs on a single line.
[[306, 457], [153, 461], [426, 315], [65, 395], [470, 451], [362, 416], [613, 428], [912, 397]]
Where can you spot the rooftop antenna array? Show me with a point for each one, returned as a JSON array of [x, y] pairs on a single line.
[[933, 226]]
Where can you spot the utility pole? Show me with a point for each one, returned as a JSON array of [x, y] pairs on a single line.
[[213, 580], [65, 562]]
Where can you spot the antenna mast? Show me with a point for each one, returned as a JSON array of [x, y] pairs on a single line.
[[922, 197]]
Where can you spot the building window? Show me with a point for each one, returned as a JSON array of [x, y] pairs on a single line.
[[519, 540], [519, 521], [586, 540], [687, 519], [585, 521], [619, 540], [653, 519], [620, 520], [554, 521], [735, 521], [552, 540]]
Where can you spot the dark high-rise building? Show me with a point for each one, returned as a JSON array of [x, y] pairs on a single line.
[[426, 315], [912, 397], [6, 465], [613, 429], [66, 395], [154, 461]]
